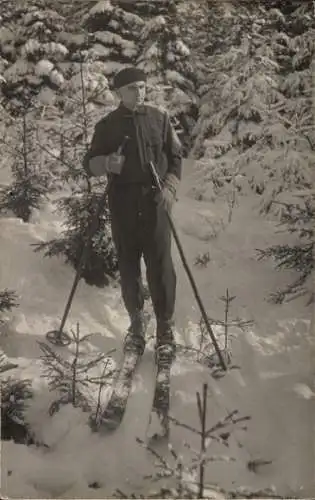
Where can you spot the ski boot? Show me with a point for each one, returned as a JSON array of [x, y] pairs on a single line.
[[135, 338], [159, 421], [165, 355], [165, 345]]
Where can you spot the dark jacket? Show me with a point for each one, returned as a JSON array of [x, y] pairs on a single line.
[[151, 138]]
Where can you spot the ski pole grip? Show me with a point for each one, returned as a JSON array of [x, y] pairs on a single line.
[[116, 160], [155, 176], [121, 147]]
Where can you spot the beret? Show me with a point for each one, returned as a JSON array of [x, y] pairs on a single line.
[[128, 75]]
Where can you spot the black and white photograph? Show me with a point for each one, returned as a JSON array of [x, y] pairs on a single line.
[[157, 210]]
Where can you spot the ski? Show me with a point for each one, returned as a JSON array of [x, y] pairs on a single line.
[[158, 428], [114, 412]]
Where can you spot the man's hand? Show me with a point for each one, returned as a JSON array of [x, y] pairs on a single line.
[[102, 165], [167, 197]]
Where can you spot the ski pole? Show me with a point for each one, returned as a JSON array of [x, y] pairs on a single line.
[[59, 337], [189, 273]]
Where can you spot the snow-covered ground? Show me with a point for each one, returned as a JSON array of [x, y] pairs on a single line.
[[273, 384]]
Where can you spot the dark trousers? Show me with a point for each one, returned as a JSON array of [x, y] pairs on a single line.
[[141, 228]]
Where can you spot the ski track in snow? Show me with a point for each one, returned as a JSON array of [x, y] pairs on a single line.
[[272, 384]]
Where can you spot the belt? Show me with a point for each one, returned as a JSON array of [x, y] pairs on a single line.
[[145, 187]]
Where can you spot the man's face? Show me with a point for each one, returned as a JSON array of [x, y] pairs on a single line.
[[132, 95]]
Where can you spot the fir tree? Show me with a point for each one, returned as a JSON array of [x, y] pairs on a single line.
[[255, 128], [294, 196], [80, 209], [28, 42], [243, 134], [114, 35], [72, 378], [30, 180], [15, 396], [81, 202], [165, 58], [297, 218]]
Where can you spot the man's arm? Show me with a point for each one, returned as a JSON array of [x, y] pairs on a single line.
[[102, 144]]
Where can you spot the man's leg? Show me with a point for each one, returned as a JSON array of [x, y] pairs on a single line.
[[124, 225], [160, 272]]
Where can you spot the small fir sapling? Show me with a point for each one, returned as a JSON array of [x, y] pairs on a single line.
[[190, 475], [71, 377], [15, 395], [30, 183]]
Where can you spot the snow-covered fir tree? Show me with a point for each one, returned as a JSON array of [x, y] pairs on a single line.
[[114, 35], [209, 26], [242, 135], [68, 139], [295, 194], [27, 40], [165, 58], [295, 55]]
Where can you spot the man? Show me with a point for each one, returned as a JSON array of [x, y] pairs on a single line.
[[139, 220]]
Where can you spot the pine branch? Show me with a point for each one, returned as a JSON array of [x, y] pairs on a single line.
[[8, 300]]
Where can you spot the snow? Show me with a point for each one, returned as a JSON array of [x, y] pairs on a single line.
[[56, 78], [101, 7], [98, 50], [18, 69], [44, 67], [51, 49], [182, 48], [112, 67], [174, 76], [273, 384], [93, 77], [31, 46], [107, 37]]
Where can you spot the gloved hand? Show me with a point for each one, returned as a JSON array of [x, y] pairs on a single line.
[[111, 164], [167, 197]]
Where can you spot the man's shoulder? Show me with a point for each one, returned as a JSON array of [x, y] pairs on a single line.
[[155, 109], [108, 118]]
